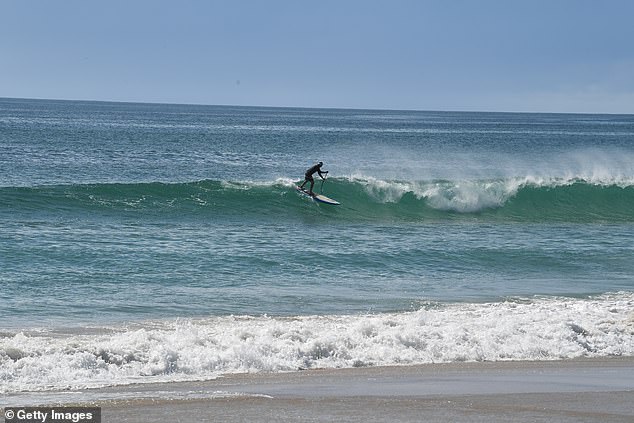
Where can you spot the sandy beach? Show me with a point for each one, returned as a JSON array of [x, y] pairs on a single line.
[[587, 390]]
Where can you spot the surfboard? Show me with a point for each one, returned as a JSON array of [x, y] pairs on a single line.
[[319, 197]]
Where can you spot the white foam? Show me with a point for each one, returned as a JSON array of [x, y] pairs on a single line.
[[461, 196], [249, 184], [196, 349], [466, 196]]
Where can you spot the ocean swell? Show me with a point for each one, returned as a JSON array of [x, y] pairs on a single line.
[[510, 199]]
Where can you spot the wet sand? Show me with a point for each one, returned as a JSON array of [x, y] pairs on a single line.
[[587, 390]]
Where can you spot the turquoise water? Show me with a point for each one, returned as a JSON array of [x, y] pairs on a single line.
[[162, 223]]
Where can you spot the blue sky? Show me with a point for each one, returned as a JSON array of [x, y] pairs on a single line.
[[507, 55]]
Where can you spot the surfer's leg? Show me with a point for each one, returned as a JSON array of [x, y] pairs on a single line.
[[310, 179]]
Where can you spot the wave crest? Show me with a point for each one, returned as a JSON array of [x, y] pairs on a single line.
[[362, 198]]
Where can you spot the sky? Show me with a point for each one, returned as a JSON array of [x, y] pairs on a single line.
[[482, 55]]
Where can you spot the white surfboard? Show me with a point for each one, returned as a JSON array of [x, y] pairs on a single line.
[[319, 197]]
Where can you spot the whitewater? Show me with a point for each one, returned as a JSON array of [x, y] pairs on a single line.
[[196, 349]]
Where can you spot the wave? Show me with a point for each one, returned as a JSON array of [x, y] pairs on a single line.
[[197, 349], [511, 199]]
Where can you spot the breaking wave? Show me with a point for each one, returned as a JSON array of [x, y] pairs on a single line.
[[197, 349], [512, 199]]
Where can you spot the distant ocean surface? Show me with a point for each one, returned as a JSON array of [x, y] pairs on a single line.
[[148, 242]]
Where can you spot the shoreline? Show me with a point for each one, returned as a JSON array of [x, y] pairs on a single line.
[[586, 389]]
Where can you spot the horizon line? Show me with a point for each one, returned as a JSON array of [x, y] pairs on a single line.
[[309, 107]]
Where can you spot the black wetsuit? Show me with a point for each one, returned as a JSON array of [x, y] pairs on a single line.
[[310, 172], [308, 176]]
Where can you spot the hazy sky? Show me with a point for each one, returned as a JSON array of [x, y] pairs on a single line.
[[507, 55]]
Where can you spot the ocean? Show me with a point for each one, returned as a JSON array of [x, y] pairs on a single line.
[[153, 242]]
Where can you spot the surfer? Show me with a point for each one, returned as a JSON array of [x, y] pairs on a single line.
[[308, 177]]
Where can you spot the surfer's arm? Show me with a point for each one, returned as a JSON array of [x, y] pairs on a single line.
[[321, 174]]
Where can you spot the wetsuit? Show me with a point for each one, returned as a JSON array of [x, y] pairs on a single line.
[[308, 177], [310, 172]]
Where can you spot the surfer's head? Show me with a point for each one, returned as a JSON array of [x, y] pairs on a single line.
[[320, 164]]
